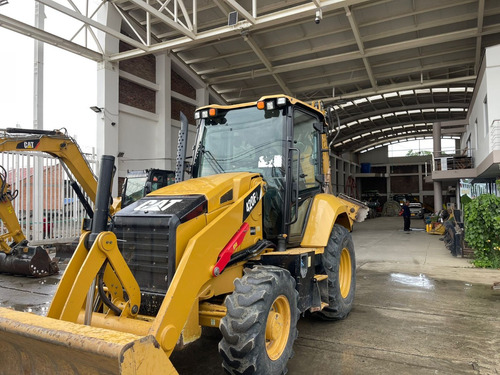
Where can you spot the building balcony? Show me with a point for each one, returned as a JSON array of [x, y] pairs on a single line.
[[452, 167]]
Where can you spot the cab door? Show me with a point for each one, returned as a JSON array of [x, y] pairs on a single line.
[[306, 171]]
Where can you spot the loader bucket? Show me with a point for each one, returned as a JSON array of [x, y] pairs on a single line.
[[32, 344], [28, 261]]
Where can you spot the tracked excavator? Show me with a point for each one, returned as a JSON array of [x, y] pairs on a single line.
[[251, 242], [16, 255]]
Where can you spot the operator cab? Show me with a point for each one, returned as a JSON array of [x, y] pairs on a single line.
[[278, 137], [142, 182]]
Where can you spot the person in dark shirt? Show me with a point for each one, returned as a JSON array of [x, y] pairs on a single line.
[[406, 216]]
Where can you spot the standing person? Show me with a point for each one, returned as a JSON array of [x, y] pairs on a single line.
[[406, 216]]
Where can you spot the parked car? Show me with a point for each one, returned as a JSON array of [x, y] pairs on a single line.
[[417, 210]]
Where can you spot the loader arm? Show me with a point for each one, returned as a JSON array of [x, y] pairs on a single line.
[[193, 276]]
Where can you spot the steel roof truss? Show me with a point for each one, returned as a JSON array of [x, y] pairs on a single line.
[[91, 22]]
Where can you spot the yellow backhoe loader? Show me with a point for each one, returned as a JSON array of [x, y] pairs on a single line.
[[248, 244], [16, 256]]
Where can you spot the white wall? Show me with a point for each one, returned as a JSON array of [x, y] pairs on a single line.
[[493, 76], [137, 140], [483, 120], [377, 156], [147, 140]]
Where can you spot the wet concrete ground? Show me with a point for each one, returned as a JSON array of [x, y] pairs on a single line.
[[417, 310]]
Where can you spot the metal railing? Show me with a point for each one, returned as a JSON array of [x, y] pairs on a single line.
[[47, 207], [445, 161]]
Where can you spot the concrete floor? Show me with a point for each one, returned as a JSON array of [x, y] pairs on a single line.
[[418, 310]]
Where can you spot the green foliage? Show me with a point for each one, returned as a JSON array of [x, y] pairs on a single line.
[[482, 230], [418, 153], [465, 199]]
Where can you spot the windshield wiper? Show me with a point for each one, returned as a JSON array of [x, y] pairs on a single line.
[[212, 161]]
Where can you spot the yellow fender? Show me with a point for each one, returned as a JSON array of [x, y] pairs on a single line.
[[326, 210]]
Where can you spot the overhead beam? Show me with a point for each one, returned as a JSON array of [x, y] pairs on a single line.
[[386, 75], [241, 11], [44, 36], [480, 20], [91, 22], [352, 69], [265, 21], [380, 35], [361, 48], [161, 16], [253, 45], [349, 56]]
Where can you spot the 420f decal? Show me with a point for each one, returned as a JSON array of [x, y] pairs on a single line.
[[251, 201]]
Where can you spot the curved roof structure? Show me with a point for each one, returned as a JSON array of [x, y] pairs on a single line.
[[391, 67], [377, 120]]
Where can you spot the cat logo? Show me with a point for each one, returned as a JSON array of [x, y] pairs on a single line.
[[156, 205], [28, 144]]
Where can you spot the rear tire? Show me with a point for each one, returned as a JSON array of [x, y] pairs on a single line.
[[260, 325], [339, 263]]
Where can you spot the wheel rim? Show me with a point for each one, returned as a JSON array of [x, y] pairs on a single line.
[[278, 327], [345, 271]]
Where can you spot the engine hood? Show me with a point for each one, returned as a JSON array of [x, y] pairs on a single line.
[[219, 190]]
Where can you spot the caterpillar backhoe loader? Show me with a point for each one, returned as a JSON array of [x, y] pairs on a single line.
[[248, 244], [16, 256]]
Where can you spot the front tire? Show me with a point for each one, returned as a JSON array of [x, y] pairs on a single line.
[[339, 263], [260, 325]]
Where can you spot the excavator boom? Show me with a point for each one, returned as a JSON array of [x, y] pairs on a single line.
[[57, 144], [18, 257], [32, 261]]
